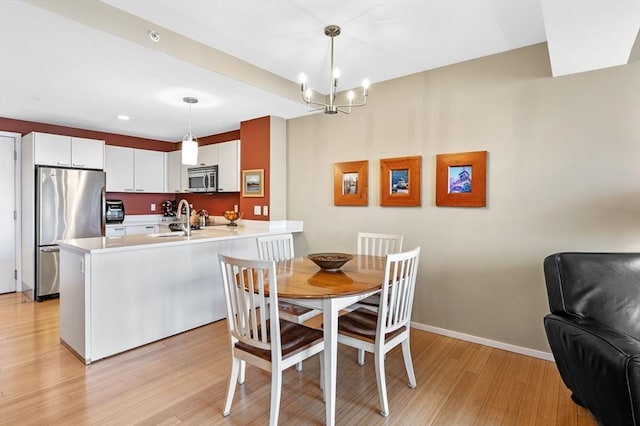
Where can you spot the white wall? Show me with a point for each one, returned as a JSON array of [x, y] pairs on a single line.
[[563, 174]]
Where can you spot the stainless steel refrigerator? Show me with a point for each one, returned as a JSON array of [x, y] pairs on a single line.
[[69, 204]]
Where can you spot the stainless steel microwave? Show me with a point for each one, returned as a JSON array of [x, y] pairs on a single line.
[[203, 179]]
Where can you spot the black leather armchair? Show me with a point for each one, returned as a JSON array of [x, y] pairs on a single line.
[[594, 331]]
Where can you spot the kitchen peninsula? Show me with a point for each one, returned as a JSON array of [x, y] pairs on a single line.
[[118, 293]]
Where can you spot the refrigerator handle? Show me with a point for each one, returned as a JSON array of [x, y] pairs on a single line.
[[103, 211], [50, 249]]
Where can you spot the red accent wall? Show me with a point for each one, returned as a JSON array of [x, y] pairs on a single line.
[[215, 204], [256, 141]]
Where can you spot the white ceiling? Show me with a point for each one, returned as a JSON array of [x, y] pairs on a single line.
[[81, 64]]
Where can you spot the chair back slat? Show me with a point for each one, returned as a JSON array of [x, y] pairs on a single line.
[[374, 244], [276, 247], [248, 286], [396, 297]]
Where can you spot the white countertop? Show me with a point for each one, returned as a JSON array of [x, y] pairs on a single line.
[[249, 229]]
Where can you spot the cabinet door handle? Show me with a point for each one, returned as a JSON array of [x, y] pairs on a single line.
[[128, 189], [77, 165], [62, 164], [139, 190]]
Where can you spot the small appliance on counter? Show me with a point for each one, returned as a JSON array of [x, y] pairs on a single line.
[[169, 208], [114, 211]]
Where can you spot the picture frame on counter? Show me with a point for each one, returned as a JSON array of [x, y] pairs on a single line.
[[461, 179], [351, 183], [253, 183], [400, 181]]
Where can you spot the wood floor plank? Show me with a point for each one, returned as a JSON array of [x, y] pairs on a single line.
[[183, 380]]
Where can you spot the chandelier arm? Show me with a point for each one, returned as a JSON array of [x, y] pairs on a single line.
[[316, 109], [352, 105], [323, 105]]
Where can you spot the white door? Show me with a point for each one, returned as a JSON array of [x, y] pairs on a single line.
[[7, 221]]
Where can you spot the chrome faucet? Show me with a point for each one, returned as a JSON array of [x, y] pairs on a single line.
[[186, 225]]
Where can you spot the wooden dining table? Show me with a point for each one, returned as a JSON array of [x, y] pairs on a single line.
[[302, 282]]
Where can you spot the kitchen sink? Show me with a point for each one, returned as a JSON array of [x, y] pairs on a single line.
[[179, 227]]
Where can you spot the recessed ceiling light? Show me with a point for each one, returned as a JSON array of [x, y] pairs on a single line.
[[124, 117]]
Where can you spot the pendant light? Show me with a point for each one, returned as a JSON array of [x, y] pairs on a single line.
[[189, 143]]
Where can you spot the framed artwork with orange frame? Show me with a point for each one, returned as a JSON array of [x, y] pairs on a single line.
[[351, 183], [400, 181], [461, 179]]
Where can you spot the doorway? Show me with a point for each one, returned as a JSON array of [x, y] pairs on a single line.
[[9, 235]]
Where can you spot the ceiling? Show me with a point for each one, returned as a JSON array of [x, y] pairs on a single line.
[[81, 64]]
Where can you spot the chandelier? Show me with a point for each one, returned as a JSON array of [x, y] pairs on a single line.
[[332, 31], [189, 143]]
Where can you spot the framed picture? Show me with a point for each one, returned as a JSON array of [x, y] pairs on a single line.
[[461, 179], [400, 181], [351, 183], [253, 183]]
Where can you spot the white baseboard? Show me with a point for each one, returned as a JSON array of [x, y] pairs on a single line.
[[486, 342]]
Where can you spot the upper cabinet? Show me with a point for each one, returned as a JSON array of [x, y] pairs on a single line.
[[87, 153], [208, 155], [67, 151], [229, 166], [148, 170], [173, 166], [134, 170], [118, 163]]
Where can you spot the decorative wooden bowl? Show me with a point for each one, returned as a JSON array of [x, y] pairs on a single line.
[[330, 262]]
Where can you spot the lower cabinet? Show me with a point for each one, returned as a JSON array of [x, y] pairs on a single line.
[[115, 231], [141, 229], [122, 230]]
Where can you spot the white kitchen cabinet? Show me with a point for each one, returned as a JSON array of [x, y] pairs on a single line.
[[115, 231], [229, 166], [148, 171], [67, 151], [174, 172], [87, 153], [52, 150], [184, 177], [134, 170], [119, 167], [208, 155], [141, 229]]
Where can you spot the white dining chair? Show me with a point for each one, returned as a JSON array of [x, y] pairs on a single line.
[[375, 244], [280, 247], [380, 332], [257, 334]]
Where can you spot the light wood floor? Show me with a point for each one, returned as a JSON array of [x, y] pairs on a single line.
[[183, 379]]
